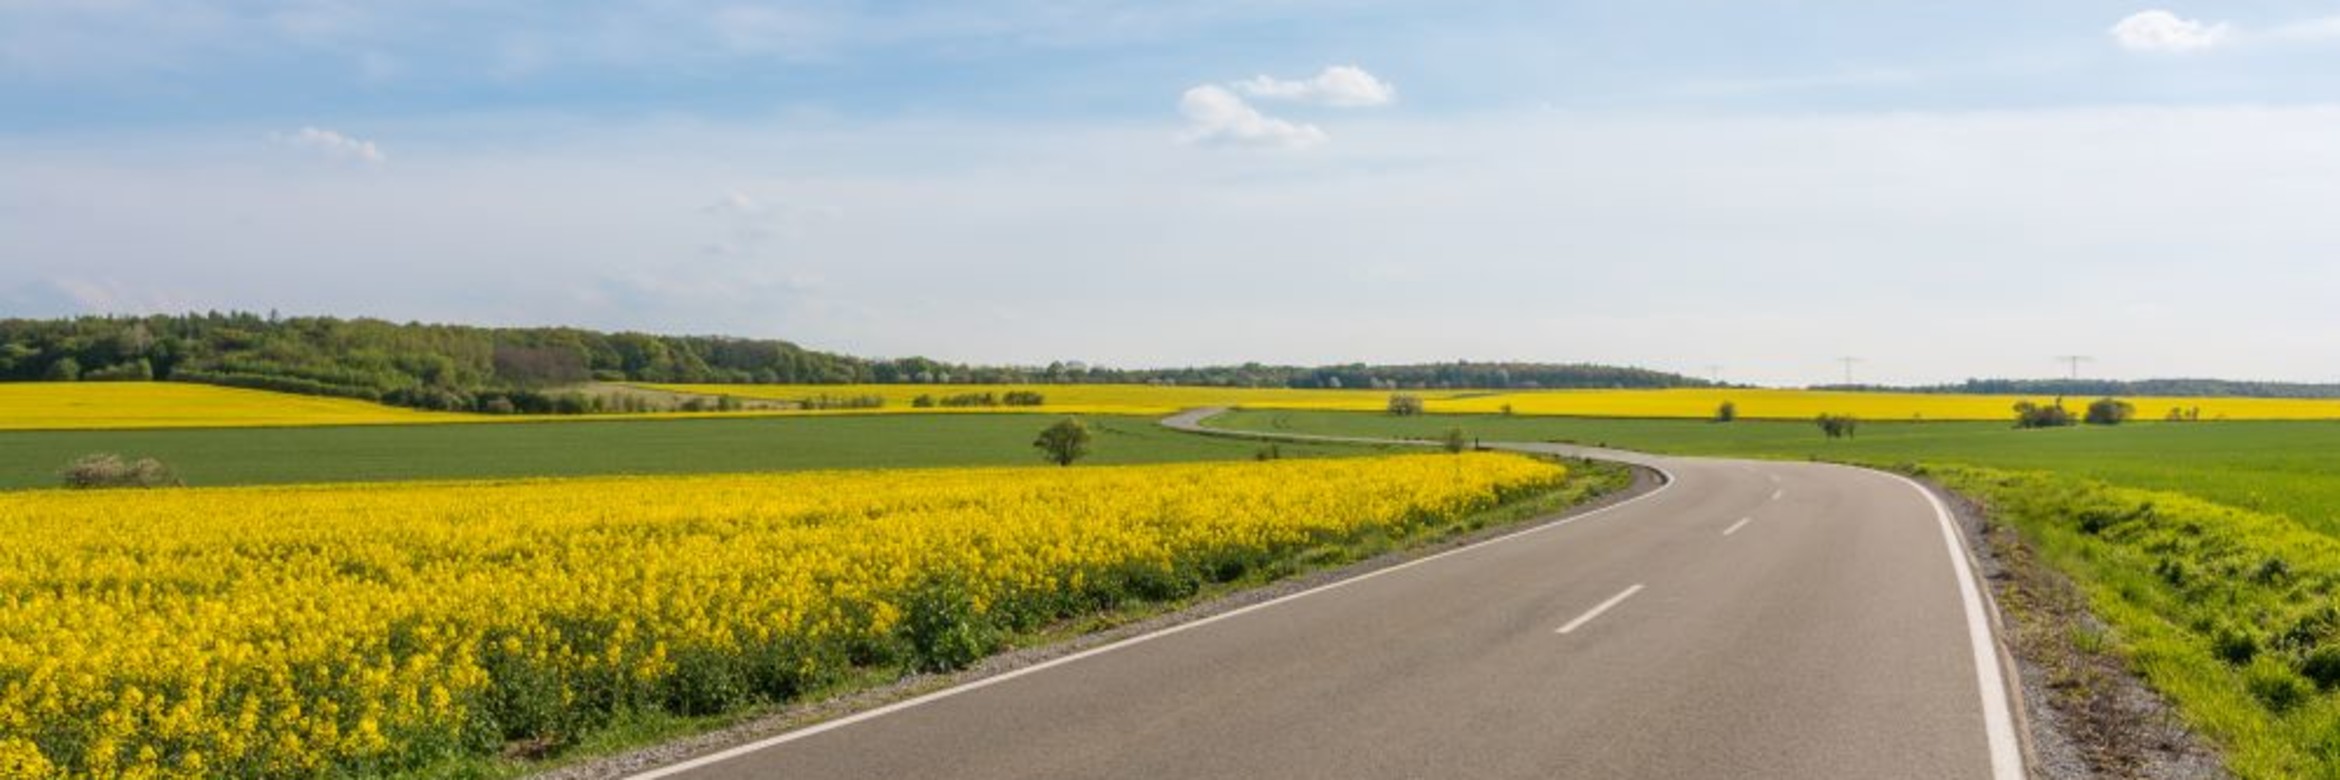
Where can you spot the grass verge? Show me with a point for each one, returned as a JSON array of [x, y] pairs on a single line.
[[2229, 613]]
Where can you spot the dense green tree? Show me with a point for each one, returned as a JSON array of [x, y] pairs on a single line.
[[2109, 411], [1064, 442]]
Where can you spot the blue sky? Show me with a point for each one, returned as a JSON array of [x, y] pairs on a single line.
[[1946, 190]]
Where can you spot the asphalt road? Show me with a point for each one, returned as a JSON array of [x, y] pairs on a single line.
[[1748, 620]]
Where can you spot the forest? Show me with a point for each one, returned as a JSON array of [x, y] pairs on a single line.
[[458, 367]]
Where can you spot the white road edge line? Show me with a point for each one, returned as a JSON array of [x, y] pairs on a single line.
[[1596, 611], [1666, 483], [1998, 714], [1738, 525], [1778, 494]]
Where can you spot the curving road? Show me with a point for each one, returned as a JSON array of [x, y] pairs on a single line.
[[1748, 620]]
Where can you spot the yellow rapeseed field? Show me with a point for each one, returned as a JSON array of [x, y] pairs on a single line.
[[1683, 403], [101, 405], [1066, 399], [76, 405], [361, 629], [1806, 404]]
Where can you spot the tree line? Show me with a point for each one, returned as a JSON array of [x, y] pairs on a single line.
[[458, 367]]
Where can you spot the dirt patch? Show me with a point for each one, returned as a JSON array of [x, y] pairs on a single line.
[[2088, 714]]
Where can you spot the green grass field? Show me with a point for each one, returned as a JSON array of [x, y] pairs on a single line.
[[2287, 468], [372, 453]]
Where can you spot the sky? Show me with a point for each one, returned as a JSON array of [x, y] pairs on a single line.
[[1750, 190]]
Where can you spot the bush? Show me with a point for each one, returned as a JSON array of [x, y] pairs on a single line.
[[64, 370], [1839, 426], [2109, 411], [943, 628], [140, 370], [1455, 441], [1405, 405], [825, 401], [107, 470], [1727, 412], [2031, 415]]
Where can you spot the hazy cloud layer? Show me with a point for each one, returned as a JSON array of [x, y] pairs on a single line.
[[1767, 245], [1966, 191]]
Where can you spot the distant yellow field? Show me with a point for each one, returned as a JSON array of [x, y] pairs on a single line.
[[75, 405], [1691, 403], [126, 405], [1802, 404], [1070, 399]]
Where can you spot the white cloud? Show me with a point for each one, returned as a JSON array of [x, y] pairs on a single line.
[[2161, 31], [336, 145], [1347, 86], [1215, 115]]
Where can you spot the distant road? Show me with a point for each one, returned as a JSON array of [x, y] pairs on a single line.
[[1750, 619]]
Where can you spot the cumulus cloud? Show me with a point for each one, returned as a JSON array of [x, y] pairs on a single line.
[[1346, 86], [1216, 115], [335, 145], [2161, 31]]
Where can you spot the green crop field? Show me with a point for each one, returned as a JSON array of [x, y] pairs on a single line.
[[234, 456]]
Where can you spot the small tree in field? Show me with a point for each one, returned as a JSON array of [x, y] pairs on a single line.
[[1405, 405], [1455, 441], [2109, 411], [1839, 426], [1727, 412], [1064, 442]]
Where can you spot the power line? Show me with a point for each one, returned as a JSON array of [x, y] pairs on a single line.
[[2075, 361], [1848, 367]]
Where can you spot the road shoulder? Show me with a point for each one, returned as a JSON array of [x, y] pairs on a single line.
[[2084, 713]]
